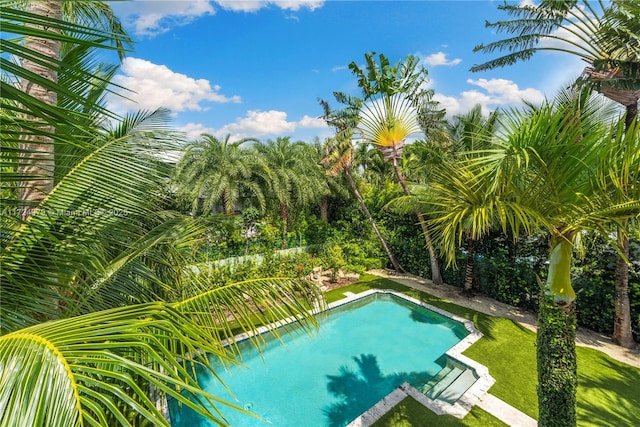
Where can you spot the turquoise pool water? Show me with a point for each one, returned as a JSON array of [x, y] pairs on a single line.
[[363, 351]]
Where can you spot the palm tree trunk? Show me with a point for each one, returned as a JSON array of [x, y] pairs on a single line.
[[37, 165], [436, 276], [556, 340], [284, 215], [622, 334], [468, 277], [364, 208], [324, 208]]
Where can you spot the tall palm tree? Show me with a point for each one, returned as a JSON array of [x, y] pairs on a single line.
[[396, 105], [370, 164], [220, 173], [42, 64], [294, 177], [552, 168], [607, 37], [339, 158], [449, 184], [127, 323]]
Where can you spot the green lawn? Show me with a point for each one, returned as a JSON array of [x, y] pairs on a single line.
[[410, 412], [607, 393]]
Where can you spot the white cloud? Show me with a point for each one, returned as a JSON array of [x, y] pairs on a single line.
[[153, 17], [157, 86], [440, 58], [252, 6], [495, 93], [312, 122], [241, 6], [298, 4], [194, 130], [268, 123], [507, 92]]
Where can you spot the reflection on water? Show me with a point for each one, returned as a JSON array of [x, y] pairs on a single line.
[[357, 391]]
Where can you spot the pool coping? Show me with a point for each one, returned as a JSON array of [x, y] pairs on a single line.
[[464, 404]]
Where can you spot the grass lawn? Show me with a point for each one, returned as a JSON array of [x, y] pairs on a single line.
[[410, 412], [608, 391]]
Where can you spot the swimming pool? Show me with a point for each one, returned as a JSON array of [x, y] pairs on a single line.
[[363, 351]]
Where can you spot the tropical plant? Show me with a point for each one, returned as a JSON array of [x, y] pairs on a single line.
[[339, 158], [40, 64], [219, 173], [395, 106], [452, 191], [607, 36], [371, 166], [295, 179], [335, 187], [551, 168], [604, 35], [99, 316]]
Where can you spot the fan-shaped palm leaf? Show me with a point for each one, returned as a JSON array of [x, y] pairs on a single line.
[[387, 123]]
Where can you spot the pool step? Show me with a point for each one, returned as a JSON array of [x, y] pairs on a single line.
[[461, 384], [451, 373], [450, 384]]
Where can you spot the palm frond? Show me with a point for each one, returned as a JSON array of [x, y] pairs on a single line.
[[96, 369], [388, 122]]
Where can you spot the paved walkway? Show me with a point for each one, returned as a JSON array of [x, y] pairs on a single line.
[[505, 412], [584, 337], [496, 407]]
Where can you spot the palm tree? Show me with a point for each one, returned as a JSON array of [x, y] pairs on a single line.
[[339, 158], [607, 37], [335, 187], [220, 173], [294, 179], [396, 105], [372, 166], [99, 316], [552, 168], [42, 65], [451, 190]]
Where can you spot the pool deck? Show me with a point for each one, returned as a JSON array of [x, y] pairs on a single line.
[[505, 412]]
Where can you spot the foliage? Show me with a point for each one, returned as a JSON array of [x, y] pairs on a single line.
[[594, 278], [607, 34], [219, 174], [295, 179], [100, 317]]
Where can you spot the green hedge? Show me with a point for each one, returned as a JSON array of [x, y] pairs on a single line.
[[511, 272]]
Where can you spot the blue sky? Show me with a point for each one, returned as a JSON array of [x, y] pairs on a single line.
[[257, 68]]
